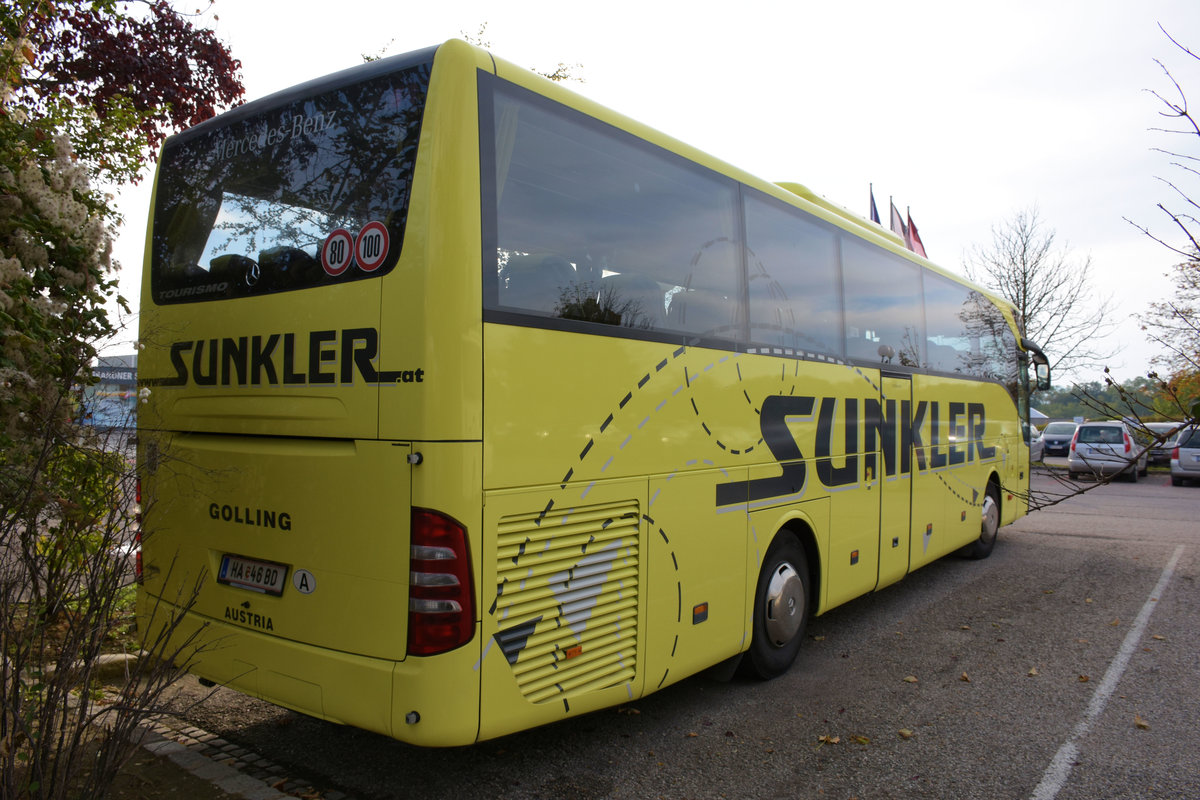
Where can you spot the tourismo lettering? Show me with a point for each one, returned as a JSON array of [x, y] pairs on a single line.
[[940, 435], [284, 359]]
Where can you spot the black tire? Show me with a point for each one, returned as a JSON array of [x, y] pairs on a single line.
[[1073, 476], [781, 609], [1176, 481], [1133, 474], [989, 526]]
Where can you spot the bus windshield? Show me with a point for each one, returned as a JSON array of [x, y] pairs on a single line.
[[280, 199]]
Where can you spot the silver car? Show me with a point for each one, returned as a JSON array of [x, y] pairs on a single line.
[[1160, 453], [1106, 448], [1037, 448], [1185, 458]]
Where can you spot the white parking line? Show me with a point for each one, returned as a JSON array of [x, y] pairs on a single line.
[[1056, 775]]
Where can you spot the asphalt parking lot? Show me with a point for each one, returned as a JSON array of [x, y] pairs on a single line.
[[1064, 666]]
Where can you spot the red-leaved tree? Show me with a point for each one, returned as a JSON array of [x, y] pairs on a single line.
[[117, 78]]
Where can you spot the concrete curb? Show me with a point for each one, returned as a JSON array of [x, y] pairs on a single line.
[[230, 768]]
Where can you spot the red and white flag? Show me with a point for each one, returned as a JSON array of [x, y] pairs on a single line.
[[914, 239]]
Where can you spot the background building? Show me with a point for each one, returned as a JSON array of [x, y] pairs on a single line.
[[112, 401]]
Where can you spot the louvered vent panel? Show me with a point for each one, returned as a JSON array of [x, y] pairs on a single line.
[[568, 599]]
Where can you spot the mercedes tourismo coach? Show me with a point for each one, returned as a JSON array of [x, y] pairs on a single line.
[[474, 405]]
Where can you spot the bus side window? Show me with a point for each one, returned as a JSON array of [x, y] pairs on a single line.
[[637, 300], [883, 302], [534, 283], [633, 221], [708, 304], [793, 281]]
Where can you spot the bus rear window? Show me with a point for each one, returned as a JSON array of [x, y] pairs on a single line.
[[312, 191]]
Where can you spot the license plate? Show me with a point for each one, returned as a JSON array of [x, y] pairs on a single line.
[[250, 573]]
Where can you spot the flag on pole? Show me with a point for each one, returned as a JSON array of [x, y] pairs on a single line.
[[874, 210], [914, 239], [898, 223]]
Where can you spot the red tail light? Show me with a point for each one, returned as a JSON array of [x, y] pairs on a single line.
[[1175, 454], [1128, 444], [441, 599], [1074, 439]]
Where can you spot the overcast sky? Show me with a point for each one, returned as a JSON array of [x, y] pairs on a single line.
[[963, 112]]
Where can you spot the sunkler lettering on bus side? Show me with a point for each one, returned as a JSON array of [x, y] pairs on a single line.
[[333, 357], [895, 429]]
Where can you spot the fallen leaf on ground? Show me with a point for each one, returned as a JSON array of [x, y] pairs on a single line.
[[910, 679], [827, 739], [964, 678], [860, 740], [905, 733], [1084, 679], [1032, 672], [1141, 723]]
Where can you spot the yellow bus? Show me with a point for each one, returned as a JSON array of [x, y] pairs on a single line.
[[473, 406]]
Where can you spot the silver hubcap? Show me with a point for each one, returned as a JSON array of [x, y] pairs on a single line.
[[785, 605], [991, 519]]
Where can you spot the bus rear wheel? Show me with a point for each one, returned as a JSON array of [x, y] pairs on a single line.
[[781, 603]]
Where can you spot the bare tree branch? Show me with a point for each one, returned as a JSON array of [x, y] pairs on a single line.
[[1052, 291]]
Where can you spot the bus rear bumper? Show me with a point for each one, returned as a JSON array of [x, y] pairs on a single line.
[[407, 700]]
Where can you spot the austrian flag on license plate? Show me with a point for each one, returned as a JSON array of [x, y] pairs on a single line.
[[252, 574]]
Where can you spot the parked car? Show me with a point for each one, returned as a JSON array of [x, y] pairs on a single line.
[[1037, 448], [1160, 452], [1056, 438], [1185, 458], [1106, 448]]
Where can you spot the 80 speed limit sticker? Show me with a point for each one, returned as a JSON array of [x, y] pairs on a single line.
[[337, 252]]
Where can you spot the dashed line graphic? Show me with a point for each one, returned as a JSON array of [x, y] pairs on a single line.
[[790, 382], [678, 592]]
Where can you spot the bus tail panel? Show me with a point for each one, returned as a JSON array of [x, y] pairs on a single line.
[[338, 687], [299, 539]]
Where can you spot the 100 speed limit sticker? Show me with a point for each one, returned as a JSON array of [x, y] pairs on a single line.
[[368, 249]]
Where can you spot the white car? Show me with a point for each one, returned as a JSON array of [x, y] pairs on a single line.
[[1185, 458], [1106, 448]]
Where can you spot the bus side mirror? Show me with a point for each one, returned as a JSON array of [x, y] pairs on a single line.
[[1042, 371], [1041, 364]]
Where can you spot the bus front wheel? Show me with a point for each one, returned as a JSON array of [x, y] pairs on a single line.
[[781, 603], [989, 526]]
